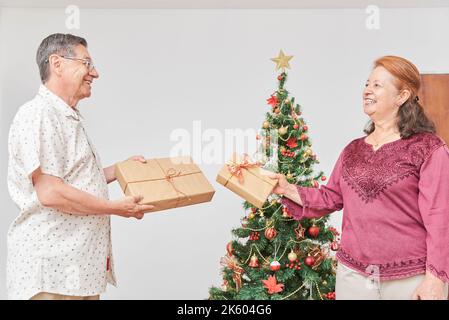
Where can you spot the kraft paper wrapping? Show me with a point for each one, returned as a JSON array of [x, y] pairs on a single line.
[[165, 182], [256, 186]]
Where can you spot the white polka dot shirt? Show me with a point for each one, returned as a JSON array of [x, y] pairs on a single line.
[[49, 250]]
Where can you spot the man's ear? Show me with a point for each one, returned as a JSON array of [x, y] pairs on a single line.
[[55, 64]]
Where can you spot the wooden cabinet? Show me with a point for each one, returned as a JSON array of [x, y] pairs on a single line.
[[434, 97]]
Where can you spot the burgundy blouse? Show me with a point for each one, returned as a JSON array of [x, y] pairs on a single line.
[[396, 206]]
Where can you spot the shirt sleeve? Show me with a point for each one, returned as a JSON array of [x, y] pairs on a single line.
[[318, 202], [40, 144], [433, 204]]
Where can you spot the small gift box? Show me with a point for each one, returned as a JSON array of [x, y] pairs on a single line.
[[165, 182], [247, 179]]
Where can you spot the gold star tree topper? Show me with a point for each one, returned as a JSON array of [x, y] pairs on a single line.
[[282, 61]]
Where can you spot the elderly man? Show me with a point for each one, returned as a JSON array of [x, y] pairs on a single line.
[[59, 247]]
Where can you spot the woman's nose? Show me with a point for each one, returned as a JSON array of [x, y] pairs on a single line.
[[367, 90]]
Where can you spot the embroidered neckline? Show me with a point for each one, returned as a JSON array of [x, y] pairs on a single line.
[[370, 172], [371, 146]]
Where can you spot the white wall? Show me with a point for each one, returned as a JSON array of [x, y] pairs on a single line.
[[163, 69]]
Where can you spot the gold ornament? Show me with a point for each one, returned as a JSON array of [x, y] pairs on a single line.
[[292, 256], [251, 215], [266, 125], [282, 130], [289, 176], [282, 61]]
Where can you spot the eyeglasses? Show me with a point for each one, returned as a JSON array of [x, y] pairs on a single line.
[[88, 63]]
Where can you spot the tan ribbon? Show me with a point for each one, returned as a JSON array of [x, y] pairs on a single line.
[[169, 175], [235, 167]]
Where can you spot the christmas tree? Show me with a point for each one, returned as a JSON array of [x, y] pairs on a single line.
[[273, 255]]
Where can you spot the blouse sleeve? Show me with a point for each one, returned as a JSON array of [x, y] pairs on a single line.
[[318, 202], [433, 204]]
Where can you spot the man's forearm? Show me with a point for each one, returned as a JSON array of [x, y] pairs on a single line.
[[109, 173], [72, 200]]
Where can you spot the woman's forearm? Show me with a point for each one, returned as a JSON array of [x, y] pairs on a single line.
[[291, 192]]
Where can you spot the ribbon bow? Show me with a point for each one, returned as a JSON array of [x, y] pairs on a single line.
[[235, 167], [231, 263]]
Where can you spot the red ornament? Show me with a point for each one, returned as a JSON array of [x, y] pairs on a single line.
[[270, 233], [295, 264], [305, 128], [303, 137], [314, 231], [334, 231], [292, 143], [272, 286], [280, 77], [323, 178], [295, 126], [315, 184], [275, 265], [254, 262], [286, 213], [330, 295], [254, 236], [335, 246], [309, 261], [272, 101]]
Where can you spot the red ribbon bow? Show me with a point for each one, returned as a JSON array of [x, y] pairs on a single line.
[[235, 167]]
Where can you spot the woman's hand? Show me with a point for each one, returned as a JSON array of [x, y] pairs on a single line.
[[282, 186], [431, 288], [285, 189]]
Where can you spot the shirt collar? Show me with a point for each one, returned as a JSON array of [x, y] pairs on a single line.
[[60, 104]]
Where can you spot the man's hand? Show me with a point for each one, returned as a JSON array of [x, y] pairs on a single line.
[[52, 192], [109, 172], [431, 288], [129, 207]]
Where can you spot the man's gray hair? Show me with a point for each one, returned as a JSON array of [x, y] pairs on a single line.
[[57, 43]]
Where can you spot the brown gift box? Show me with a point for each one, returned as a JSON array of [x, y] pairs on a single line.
[[165, 182], [255, 185]]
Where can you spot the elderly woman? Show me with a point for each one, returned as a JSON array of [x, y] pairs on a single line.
[[393, 184]]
